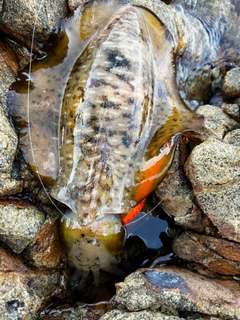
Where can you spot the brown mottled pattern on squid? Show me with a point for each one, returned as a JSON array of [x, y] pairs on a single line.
[[103, 116]]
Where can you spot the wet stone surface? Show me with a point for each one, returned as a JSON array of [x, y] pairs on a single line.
[[231, 84], [232, 109], [17, 18], [45, 249], [20, 221], [23, 291], [8, 145], [213, 169], [6, 74], [26, 293], [217, 255], [209, 204], [141, 315], [177, 289], [201, 193], [233, 137], [217, 123]]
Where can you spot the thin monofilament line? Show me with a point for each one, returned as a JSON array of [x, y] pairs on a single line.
[[28, 114], [145, 214]]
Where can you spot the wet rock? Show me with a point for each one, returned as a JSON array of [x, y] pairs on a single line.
[[177, 199], [8, 57], [217, 123], [63, 315], [141, 315], [42, 196], [213, 169], [172, 288], [21, 53], [20, 221], [180, 190], [9, 263], [18, 18], [175, 191], [217, 255], [45, 248], [233, 137], [24, 174], [26, 293], [233, 110], [8, 145], [231, 84], [23, 291], [73, 4], [9, 186], [83, 312], [8, 77]]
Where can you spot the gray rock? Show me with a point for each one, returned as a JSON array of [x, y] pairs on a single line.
[[9, 185], [20, 17], [175, 189], [177, 199], [213, 169], [8, 77], [8, 144], [179, 289], [175, 194], [73, 4], [233, 110], [231, 84], [233, 137], [26, 293], [141, 315], [20, 221], [217, 123]]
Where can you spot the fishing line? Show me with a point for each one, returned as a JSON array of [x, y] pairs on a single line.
[[28, 113], [145, 214]]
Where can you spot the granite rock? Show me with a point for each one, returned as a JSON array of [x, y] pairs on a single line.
[[45, 248], [8, 145], [213, 169], [20, 222], [20, 19], [232, 109], [233, 137], [141, 315], [217, 255], [217, 123], [173, 288], [231, 84], [23, 291]]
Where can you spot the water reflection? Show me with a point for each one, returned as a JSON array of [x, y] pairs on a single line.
[[148, 228]]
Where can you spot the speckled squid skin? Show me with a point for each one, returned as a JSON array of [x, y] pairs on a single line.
[[106, 97], [120, 103]]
